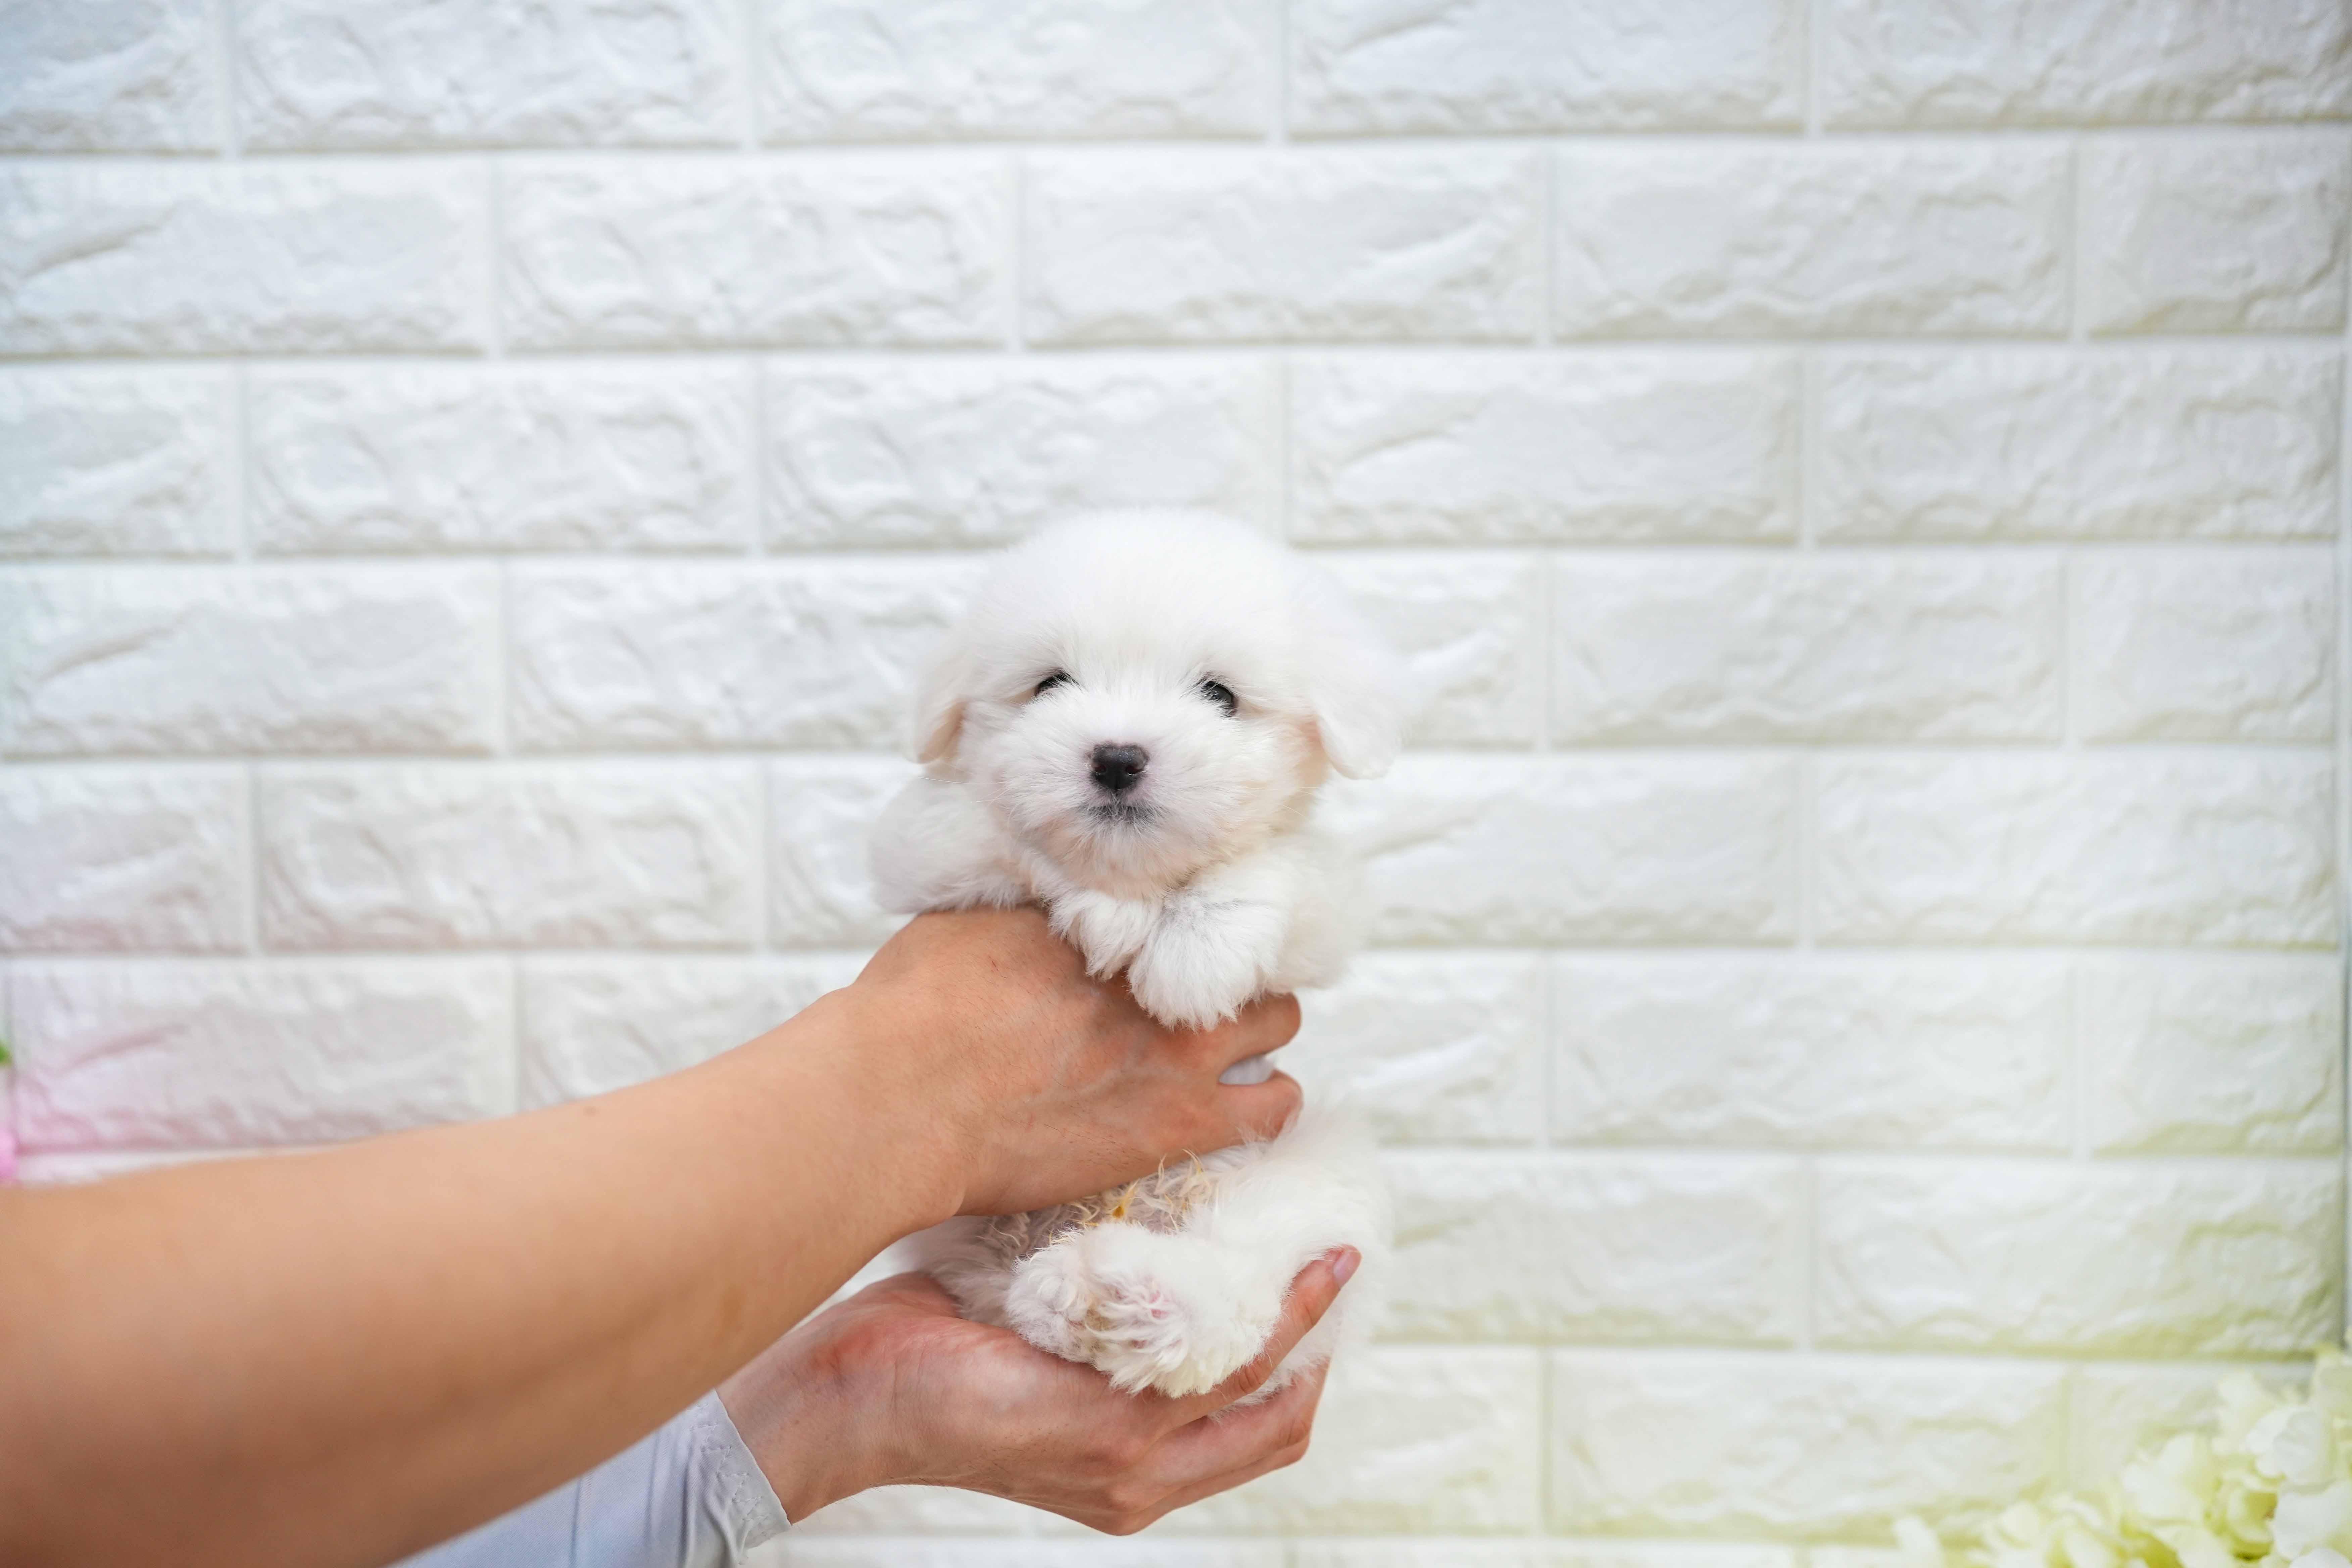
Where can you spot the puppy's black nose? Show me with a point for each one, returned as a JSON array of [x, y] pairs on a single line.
[[1117, 767]]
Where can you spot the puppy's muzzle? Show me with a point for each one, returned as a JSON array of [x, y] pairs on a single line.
[[1119, 769]]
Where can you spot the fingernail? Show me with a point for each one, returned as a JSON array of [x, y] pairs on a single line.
[[1343, 1264]]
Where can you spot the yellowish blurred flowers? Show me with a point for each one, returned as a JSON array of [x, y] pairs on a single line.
[[2269, 1485]]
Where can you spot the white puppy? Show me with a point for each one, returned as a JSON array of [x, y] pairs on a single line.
[[1130, 728]]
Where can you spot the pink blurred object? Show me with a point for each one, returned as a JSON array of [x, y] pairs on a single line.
[[7, 1155]]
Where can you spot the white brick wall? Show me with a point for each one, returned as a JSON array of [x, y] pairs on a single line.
[[1858, 1008]]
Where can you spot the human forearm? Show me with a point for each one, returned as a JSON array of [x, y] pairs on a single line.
[[524, 1297], [337, 1357]]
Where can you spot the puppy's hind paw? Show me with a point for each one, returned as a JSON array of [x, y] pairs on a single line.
[[1049, 1300], [1147, 1309]]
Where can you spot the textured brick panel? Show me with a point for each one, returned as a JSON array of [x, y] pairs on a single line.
[[100, 258], [1552, 849], [2175, 444], [1034, 67], [182, 1055], [379, 73], [952, 452], [1546, 1247], [658, 252], [1193, 247], [200, 659], [1942, 238], [112, 859], [91, 78], [1471, 633], [1823, 648], [590, 1026], [821, 811], [2207, 646], [1539, 65], [509, 457], [2244, 233], [1619, 446], [1434, 1047], [2221, 848], [115, 462], [1647, 1443], [427, 857], [2124, 1260], [808, 654], [1408, 1441], [1961, 1053], [1858, 960], [2225, 1055], [1981, 62]]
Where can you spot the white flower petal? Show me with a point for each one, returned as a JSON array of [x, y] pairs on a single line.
[[2172, 1485], [2309, 1521], [2295, 1444], [2244, 1401], [1918, 1546]]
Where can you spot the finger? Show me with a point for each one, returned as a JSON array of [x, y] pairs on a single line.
[[1312, 1291], [1288, 1451], [1277, 1460], [1222, 1450], [1267, 1025], [1252, 1111]]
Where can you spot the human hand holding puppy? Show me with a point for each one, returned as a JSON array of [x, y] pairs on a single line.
[[345, 1355], [1039, 1083], [891, 1388], [1048, 1084]]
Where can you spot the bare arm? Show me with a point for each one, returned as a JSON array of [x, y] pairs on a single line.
[[340, 1357]]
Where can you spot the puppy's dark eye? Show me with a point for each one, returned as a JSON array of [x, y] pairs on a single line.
[[1059, 678], [1218, 692]]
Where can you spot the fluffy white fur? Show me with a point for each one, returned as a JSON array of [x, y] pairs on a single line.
[[1203, 881]]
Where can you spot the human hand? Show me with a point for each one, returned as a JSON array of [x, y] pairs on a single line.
[[890, 1387], [1040, 1084]]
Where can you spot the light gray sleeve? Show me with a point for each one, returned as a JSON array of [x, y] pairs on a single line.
[[690, 1496]]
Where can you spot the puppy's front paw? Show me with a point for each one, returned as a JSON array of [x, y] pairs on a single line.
[[1149, 1310], [1109, 932], [1204, 960]]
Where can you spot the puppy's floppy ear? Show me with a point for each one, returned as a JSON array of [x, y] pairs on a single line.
[[939, 697], [1354, 684]]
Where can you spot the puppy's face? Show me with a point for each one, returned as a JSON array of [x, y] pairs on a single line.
[[1138, 699], [1128, 763]]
